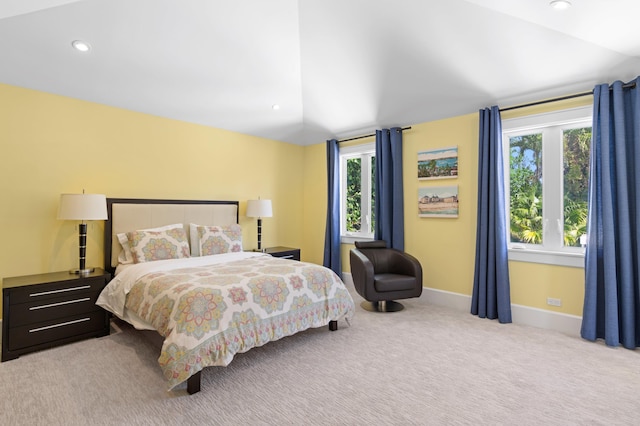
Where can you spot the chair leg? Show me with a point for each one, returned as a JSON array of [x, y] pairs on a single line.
[[382, 306]]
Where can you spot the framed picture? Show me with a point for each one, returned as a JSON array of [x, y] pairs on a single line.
[[438, 201], [438, 163]]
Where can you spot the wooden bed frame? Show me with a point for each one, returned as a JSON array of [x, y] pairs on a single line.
[[151, 213]]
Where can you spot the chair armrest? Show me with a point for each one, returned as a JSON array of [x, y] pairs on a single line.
[[361, 271], [405, 264]]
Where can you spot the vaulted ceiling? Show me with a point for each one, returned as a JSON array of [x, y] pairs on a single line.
[[336, 68]]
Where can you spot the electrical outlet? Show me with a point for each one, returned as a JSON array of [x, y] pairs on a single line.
[[554, 302]]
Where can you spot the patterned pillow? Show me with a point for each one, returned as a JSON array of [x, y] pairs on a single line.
[[125, 257], [219, 239], [169, 242]]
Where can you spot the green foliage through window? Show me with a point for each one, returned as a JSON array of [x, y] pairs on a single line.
[[526, 181], [526, 188], [354, 196], [577, 143]]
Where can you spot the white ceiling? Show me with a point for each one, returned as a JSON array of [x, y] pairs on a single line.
[[337, 68]]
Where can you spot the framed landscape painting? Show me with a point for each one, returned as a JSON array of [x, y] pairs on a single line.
[[438, 163], [438, 201]]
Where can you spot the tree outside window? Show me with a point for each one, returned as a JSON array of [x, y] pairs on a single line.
[[526, 188], [577, 145]]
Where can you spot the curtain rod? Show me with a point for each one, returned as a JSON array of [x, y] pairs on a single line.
[[367, 136], [546, 101], [562, 98]]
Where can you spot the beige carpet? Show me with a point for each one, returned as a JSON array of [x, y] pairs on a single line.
[[426, 365]]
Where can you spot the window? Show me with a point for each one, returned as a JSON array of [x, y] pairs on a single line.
[[357, 198], [546, 185]]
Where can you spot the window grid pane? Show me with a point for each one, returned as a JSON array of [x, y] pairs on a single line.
[[576, 146], [526, 188], [354, 195], [373, 193], [357, 193]]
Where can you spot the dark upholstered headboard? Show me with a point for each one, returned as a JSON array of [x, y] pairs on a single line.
[[130, 214]]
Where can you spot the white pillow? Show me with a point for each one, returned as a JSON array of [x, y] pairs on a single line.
[[194, 240], [125, 257]]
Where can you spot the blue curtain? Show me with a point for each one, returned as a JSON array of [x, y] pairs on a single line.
[[389, 193], [491, 290], [612, 278], [332, 230]]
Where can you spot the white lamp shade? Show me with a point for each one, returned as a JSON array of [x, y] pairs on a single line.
[[259, 208], [82, 207]]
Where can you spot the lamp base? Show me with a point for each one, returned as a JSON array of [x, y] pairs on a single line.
[[85, 271]]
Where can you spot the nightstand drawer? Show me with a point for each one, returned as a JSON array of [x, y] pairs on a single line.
[[50, 309], [284, 252], [53, 331], [293, 255], [69, 289]]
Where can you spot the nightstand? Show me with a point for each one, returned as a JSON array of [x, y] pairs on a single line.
[[46, 310], [284, 252]]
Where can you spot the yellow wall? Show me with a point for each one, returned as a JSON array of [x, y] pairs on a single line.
[[446, 247], [51, 144], [315, 202]]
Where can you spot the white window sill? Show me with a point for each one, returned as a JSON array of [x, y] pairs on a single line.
[[350, 239], [571, 259]]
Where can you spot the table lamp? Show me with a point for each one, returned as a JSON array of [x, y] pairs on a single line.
[[82, 207], [259, 208]]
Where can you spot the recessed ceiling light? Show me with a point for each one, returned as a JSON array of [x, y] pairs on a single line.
[[80, 45], [560, 4], [275, 107]]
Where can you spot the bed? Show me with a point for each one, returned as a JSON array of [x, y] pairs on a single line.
[[179, 268]]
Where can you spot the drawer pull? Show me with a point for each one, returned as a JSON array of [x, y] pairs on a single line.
[[62, 324], [43, 293], [51, 305], [289, 256]]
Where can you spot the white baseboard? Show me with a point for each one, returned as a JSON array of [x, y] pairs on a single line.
[[347, 279], [525, 315]]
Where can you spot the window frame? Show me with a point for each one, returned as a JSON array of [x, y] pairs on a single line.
[[365, 151], [550, 124]]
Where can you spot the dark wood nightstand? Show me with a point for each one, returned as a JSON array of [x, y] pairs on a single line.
[[46, 310], [284, 252]]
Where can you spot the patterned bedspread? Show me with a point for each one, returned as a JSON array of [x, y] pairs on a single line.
[[209, 313]]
